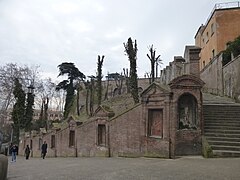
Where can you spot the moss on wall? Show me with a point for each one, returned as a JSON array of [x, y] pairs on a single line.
[[206, 148]]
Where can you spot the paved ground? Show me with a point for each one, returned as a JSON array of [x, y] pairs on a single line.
[[185, 168]]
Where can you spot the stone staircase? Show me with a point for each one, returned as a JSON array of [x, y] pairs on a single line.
[[222, 127]]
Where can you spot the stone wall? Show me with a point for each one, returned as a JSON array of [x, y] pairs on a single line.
[[212, 76], [223, 81], [231, 79]]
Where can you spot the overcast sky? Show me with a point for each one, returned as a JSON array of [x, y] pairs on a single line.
[[49, 32]]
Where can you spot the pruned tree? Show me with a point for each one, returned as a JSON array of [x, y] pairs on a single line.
[[79, 88], [68, 85], [154, 62], [131, 51], [99, 78], [119, 81], [126, 76], [106, 93], [91, 94], [87, 87]]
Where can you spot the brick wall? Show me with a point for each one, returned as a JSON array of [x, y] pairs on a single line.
[[125, 133]]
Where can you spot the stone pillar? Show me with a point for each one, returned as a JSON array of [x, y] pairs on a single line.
[[191, 55], [194, 61]]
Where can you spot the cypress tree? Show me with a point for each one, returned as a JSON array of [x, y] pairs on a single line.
[[131, 50], [18, 110]]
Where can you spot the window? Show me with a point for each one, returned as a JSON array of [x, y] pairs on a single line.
[[53, 141], [213, 53], [155, 122], [102, 135], [203, 63], [207, 37], [71, 138], [212, 29]]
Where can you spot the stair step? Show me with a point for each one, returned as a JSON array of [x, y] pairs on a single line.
[[224, 143], [221, 127], [225, 131], [224, 117], [210, 138], [234, 117], [211, 134], [226, 153], [225, 147], [222, 124]]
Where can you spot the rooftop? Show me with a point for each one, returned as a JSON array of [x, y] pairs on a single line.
[[227, 5], [220, 6]]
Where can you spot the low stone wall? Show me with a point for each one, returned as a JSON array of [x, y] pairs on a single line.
[[3, 167]]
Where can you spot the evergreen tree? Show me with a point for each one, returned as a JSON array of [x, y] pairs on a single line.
[[29, 111], [68, 85], [131, 50], [18, 110]]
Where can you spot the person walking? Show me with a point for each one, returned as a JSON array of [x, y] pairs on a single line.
[[27, 152], [14, 153], [44, 149]]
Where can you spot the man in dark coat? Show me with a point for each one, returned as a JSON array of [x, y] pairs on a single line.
[[44, 149], [27, 152]]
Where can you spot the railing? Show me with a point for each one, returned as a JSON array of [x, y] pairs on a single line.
[[227, 5]]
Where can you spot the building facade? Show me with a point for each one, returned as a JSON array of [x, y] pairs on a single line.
[[222, 26], [166, 123]]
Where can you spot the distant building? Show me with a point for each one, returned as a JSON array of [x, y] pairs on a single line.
[[222, 26]]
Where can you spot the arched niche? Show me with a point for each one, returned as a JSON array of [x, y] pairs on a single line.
[[187, 112]]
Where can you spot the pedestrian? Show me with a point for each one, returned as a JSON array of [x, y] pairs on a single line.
[[14, 153], [44, 149], [10, 149], [27, 152]]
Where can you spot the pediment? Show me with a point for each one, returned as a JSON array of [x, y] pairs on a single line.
[[155, 89], [103, 111], [186, 81]]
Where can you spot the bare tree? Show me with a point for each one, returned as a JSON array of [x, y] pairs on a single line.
[[154, 62]]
